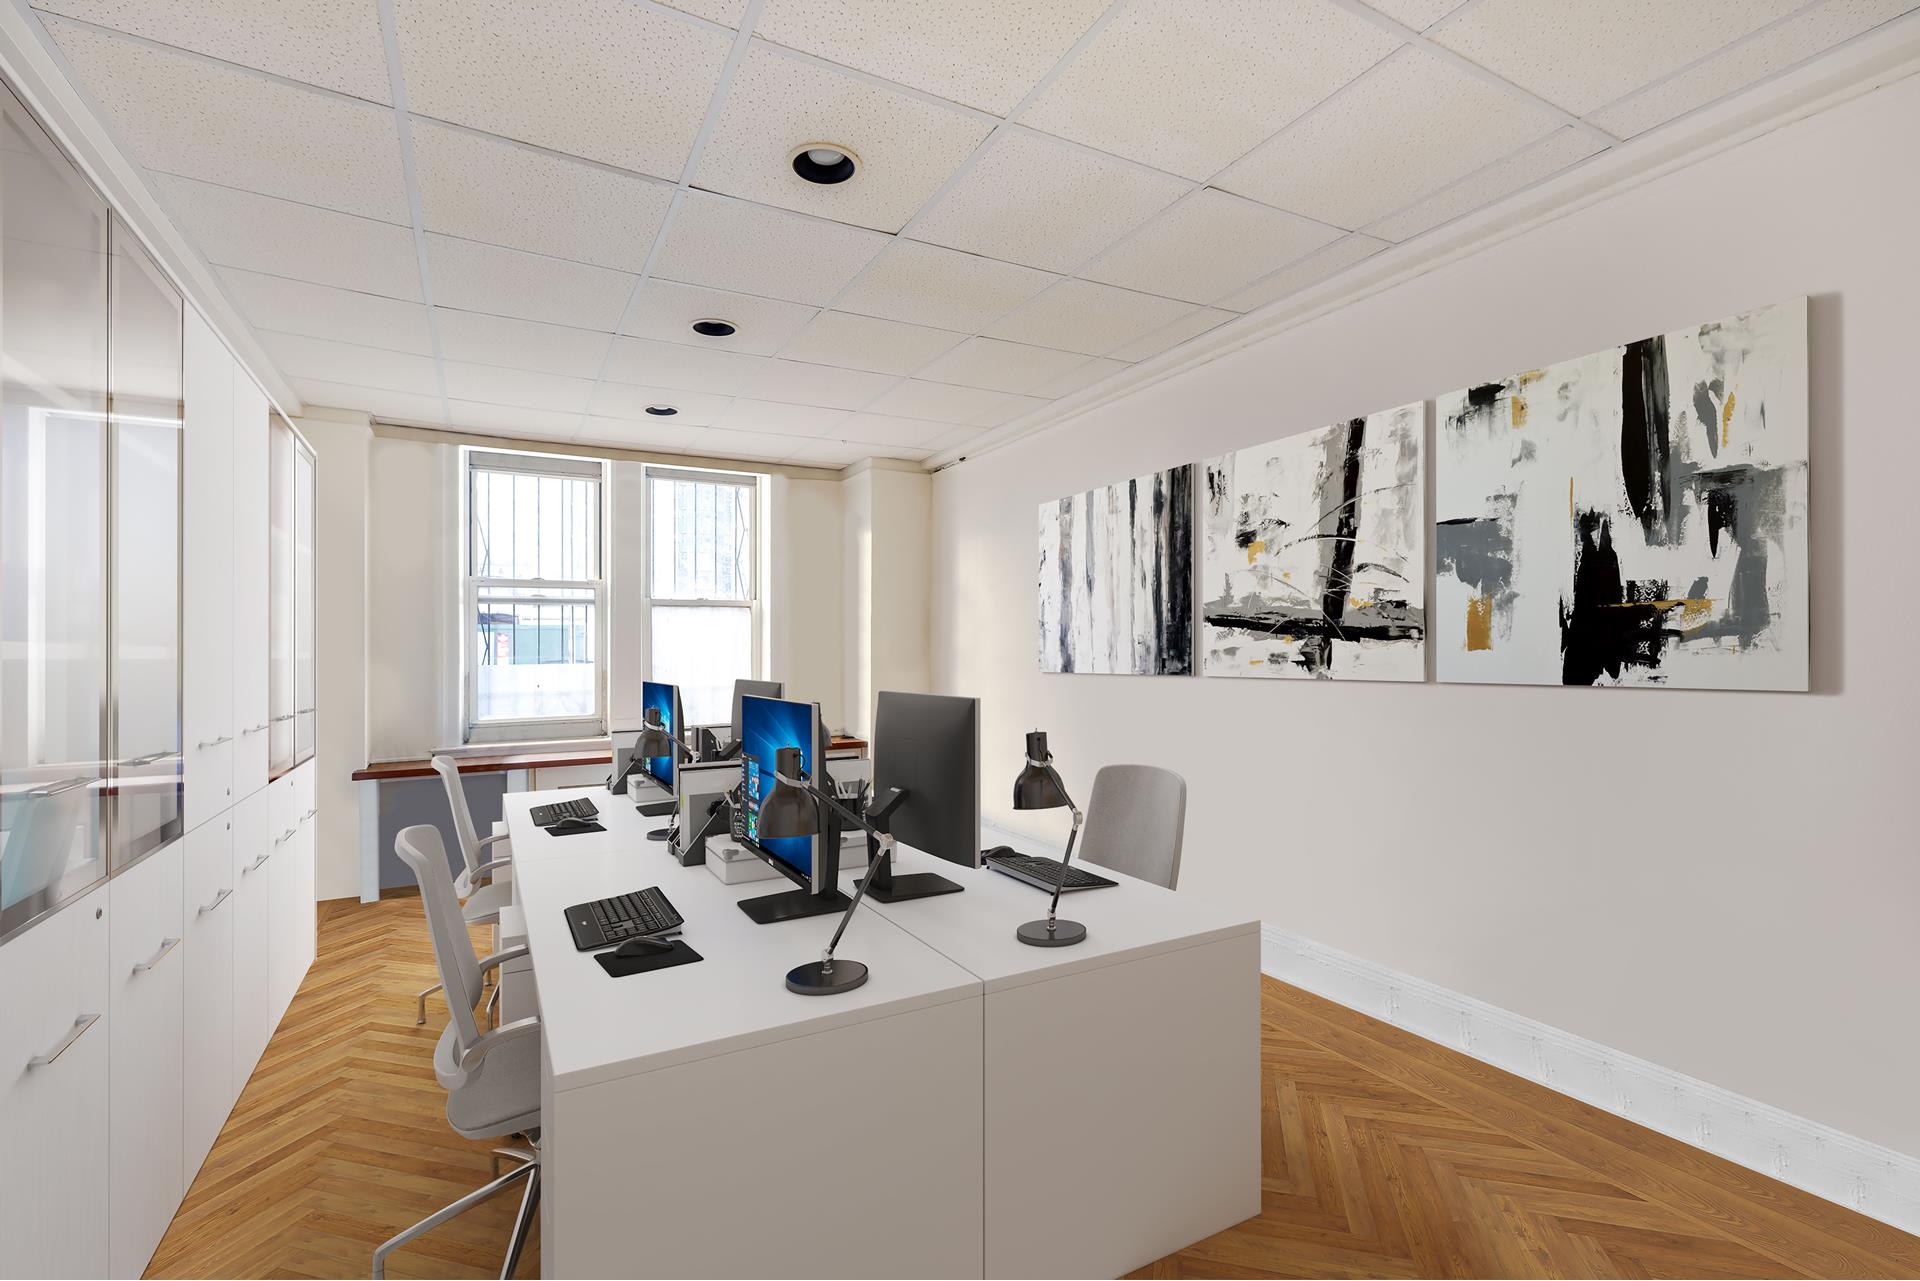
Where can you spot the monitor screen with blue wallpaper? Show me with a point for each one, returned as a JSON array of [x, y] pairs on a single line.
[[667, 699], [766, 726]]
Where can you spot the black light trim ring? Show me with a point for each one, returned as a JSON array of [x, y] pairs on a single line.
[[713, 327], [662, 411], [825, 175]]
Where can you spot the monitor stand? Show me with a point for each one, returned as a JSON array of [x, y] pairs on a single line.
[[889, 888], [792, 906], [656, 809]]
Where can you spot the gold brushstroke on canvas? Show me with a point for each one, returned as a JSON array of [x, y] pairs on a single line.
[[1254, 548], [1726, 421], [1480, 623]]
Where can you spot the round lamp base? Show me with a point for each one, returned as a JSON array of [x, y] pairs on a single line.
[[660, 834], [815, 979], [1059, 934]]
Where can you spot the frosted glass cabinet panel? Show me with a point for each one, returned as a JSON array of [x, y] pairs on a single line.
[[144, 443], [280, 695], [303, 603], [53, 525]]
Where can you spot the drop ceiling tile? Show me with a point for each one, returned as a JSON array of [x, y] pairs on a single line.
[[1093, 319], [865, 342], [998, 365], [1095, 370], [1311, 270], [907, 146], [511, 420], [647, 433], [665, 364], [321, 311], [929, 285], [506, 282], [884, 429], [298, 356], [1191, 325], [782, 420], [939, 402], [335, 45], [957, 437], [480, 339], [666, 310], [1582, 54], [757, 446], [483, 188], [729, 12], [606, 79], [1209, 244], [1819, 28], [492, 385], [1002, 414], [984, 53], [1188, 87], [377, 401], [1502, 178], [830, 453], [799, 383], [1402, 131], [188, 116], [755, 249], [1418, 14], [1036, 200], [628, 400], [279, 238]]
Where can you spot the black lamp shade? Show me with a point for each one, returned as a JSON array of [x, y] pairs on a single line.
[[787, 809], [1036, 788], [654, 739]]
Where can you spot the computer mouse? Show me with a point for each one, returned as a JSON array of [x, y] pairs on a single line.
[[642, 947], [565, 825], [998, 851]]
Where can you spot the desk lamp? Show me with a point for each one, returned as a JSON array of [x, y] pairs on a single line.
[[656, 741], [795, 808], [1039, 788]]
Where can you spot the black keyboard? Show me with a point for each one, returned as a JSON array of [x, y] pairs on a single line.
[[548, 815], [1044, 872], [624, 916]]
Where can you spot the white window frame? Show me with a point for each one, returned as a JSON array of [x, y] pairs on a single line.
[[472, 586], [755, 484]]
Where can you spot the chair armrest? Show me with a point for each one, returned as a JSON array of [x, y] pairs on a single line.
[[491, 1041], [488, 866], [498, 836], [500, 958]]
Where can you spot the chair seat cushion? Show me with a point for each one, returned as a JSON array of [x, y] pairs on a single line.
[[484, 904], [502, 1094]]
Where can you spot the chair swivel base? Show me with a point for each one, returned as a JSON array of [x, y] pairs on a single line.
[[823, 978], [1052, 933]]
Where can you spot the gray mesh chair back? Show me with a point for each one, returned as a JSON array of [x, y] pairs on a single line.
[[421, 849], [1136, 822], [449, 771]]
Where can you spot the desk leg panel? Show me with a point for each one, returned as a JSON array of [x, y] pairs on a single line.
[[849, 1153], [1122, 1111]]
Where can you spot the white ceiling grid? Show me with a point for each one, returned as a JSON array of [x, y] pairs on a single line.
[[503, 217]]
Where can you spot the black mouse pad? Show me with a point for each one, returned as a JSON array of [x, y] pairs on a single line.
[[573, 831], [621, 966]]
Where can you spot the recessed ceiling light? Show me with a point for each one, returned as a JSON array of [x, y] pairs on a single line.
[[713, 327], [825, 163], [662, 411]]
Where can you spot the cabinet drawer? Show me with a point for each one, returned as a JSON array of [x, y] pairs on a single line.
[[208, 1020]]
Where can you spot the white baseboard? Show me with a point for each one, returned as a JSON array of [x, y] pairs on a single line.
[[1862, 1176]]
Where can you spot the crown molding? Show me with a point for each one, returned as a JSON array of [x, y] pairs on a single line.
[[452, 436], [1877, 58]]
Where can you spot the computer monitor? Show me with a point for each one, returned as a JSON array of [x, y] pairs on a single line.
[[811, 862], [665, 697], [753, 689], [928, 746]]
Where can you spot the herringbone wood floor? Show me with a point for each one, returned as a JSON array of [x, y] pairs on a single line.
[[1384, 1155]]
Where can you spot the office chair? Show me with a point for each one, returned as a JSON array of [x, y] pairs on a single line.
[[492, 1078], [481, 901], [1136, 822]]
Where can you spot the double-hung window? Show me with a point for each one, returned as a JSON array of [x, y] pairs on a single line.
[[702, 586], [535, 597]]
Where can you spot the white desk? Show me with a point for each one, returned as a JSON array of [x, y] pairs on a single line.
[[704, 1121]]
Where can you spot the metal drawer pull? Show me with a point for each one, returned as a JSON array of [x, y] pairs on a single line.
[[308, 815], [285, 836], [166, 945], [64, 785], [80, 1025], [213, 742], [255, 865], [254, 730], [218, 899], [289, 716]]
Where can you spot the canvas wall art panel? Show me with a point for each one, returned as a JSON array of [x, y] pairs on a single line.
[[1633, 517], [1313, 559], [1116, 578]]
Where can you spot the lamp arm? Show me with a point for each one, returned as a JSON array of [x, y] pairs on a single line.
[[1054, 907]]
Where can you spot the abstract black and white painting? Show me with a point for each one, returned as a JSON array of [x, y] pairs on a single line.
[[1312, 561], [1634, 517], [1116, 578]]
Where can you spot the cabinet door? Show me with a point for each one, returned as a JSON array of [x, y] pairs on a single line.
[[305, 719], [252, 905], [54, 1028], [251, 720], [283, 914], [208, 1024], [307, 922], [208, 588], [146, 1082]]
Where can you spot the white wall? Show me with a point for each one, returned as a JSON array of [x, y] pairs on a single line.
[[803, 591], [888, 560], [412, 708], [1737, 902]]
